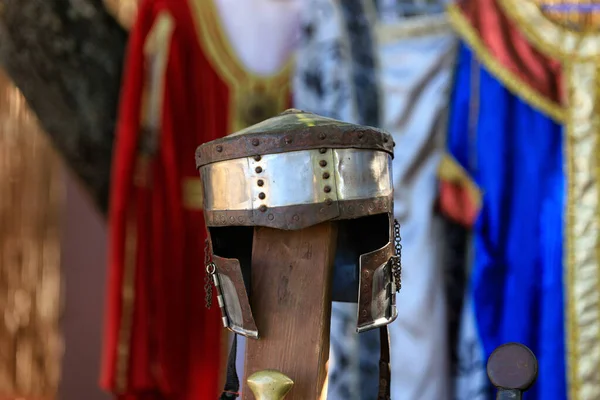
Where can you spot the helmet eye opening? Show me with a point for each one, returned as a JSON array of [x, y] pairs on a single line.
[[235, 242], [355, 238]]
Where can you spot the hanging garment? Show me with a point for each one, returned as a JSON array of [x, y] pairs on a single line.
[[506, 98], [323, 69], [335, 77], [193, 74], [416, 56]]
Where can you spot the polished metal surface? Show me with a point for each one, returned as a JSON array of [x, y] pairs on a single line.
[[362, 174], [296, 178], [232, 302], [236, 305], [376, 295], [226, 185], [235, 315]]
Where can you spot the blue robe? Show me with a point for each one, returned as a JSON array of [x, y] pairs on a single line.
[[515, 154]]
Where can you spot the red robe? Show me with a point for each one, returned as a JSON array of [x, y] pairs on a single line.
[[160, 341], [504, 50]]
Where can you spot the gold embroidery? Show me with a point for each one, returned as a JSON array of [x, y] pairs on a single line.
[[426, 25], [155, 50], [582, 228], [141, 171], [451, 171], [548, 36], [124, 11], [569, 16], [192, 194], [32, 208], [254, 106], [511, 81], [267, 94], [191, 188], [579, 53], [127, 299]]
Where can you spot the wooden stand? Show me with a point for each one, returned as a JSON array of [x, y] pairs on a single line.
[[291, 303]]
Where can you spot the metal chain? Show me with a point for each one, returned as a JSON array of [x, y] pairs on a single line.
[[397, 259], [210, 270]]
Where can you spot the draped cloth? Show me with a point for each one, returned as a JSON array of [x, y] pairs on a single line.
[[32, 244], [183, 85], [412, 68], [509, 55], [577, 47], [323, 69], [514, 152], [335, 77], [416, 56], [569, 56]]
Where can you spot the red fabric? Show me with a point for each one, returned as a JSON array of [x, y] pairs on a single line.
[[140, 396], [457, 204], [174, 342], [512, 49]]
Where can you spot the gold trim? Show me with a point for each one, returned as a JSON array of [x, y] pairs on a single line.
[[124, 11], [191, 188], [226, 62], [451, 171], [127, 305], [156, 50], [512, 82], [558, 42], [582, 241], [229, 64], [32, 209], [579, 53], [192, 194], [423, 25]]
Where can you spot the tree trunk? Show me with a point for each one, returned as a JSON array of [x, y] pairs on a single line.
[[66, 58]]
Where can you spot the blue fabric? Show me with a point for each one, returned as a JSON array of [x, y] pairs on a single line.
[[515, 154]]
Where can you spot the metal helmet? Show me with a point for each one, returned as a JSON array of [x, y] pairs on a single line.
[[290, 172]]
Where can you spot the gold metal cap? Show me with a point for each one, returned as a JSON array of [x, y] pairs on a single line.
[[269, 385]]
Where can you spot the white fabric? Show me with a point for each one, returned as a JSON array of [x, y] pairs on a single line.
[[416, 60], [471, 381], [323, 75], [324, 84], [344, 378], [262, 33]]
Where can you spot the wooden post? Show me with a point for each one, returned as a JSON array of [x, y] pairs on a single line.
[[291, 303]]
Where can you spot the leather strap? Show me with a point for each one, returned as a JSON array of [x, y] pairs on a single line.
[[231, 390], [232, 384], [385, 373]]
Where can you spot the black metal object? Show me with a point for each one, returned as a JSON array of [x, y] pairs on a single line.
[[512, 369]]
